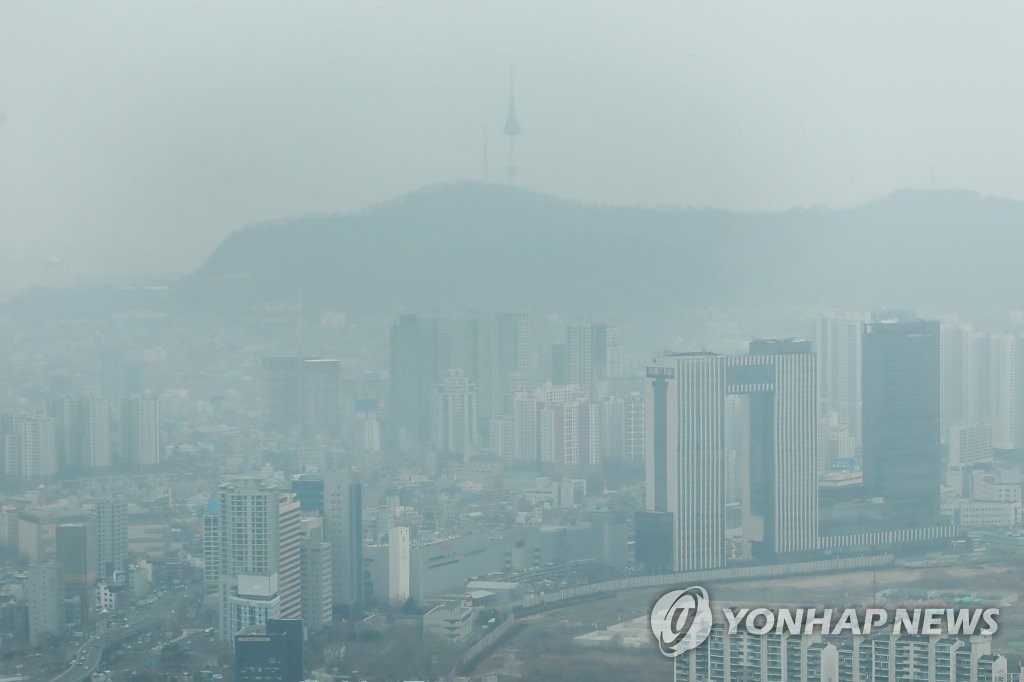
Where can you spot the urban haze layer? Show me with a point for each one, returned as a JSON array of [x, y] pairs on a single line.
[[475, 430]]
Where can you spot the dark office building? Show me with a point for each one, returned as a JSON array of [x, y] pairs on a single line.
[[417, 356], [653, 542], [304, 395], [77, 553], [560, 364], [309, 489], [900, 388], [271, 653]]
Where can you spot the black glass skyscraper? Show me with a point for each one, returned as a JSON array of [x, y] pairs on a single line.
[[901, 419]]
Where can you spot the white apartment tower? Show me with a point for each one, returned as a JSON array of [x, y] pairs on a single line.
[[248, 515], [455, 415], [837, 344], [140, 433]]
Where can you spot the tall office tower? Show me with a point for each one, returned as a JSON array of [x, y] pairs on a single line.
[[778, 380], [502, 438], [634, 431], [140, 433], [837, 344], [44, 592], [612, 425], [317, 591], [686, 431], [954, 376], [322, 396], [686, 468], [248, 524], [1007, 381], [303, 395], [455, 415], [511, 357], [417, 359], [77, 555], [343, 529], [111, 537], [902, 453], [525, 434], [980, 381], [270, 652], [289, 555], [593, 355], [285, 393], [399, 554], [82, 433]]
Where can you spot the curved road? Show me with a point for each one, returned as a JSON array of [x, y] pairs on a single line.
[[93, 648]]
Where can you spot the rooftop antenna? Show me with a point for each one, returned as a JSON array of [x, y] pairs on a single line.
[[512, 129]]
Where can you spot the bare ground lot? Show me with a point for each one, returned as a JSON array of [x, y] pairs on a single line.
[[545, 650]]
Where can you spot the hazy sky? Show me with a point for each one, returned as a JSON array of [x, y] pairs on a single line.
[[136, 135]]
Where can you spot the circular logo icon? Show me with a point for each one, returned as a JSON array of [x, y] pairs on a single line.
[[681, 620]]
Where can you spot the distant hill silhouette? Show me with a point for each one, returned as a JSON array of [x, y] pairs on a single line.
[[493, 246], [489, 246]]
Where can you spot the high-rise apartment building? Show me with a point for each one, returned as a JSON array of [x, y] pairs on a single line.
[[140, 433], [82, 433], [44, 591], [511, 357], [1007, 390], [28, 446], [881, 657], [502, 438], [837, 344], [593, 355], [111, 537], [633, 430], [455, 414], [494, 353], [248, 524]]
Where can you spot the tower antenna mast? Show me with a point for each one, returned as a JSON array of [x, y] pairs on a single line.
[[512, 129]]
